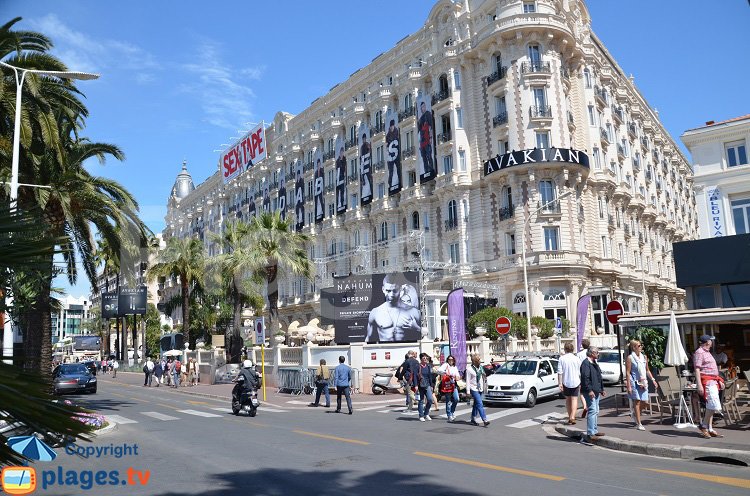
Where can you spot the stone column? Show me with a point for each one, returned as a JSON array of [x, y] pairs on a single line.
[[356, 361]]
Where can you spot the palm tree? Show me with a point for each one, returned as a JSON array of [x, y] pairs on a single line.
[[275, 246], [183, 258], [235, 268]]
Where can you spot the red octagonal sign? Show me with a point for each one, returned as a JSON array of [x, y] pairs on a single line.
[[614, 311], [502, 324]]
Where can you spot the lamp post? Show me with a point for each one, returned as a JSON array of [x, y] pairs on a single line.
[[20, 74], [523, 259]]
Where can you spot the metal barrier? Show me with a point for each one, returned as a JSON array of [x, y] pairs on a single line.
[[296, 381]]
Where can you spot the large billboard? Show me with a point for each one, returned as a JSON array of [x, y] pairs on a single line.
[[248, 151], [376, 308], [319, 187], [132, 301], [393, 152], [299, 197], [109, 305], [426, 129], [365, 164], [341, 174]]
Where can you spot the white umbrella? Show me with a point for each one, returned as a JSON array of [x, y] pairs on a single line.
[[676, 356], [172, 353]]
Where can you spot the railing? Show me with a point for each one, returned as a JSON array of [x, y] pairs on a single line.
[[543, 112], [644, 142], [407, 113], [620, 150], [444, 137], [564, 72], [349, 143], [308, 167], [552, 207], [329, 188], [604, 134], [440, 96], [500, 119], [379, 165], [506, 213], [632, 130], [636, 164], [352, 178], [408, 152], [451, 225], [626, 230], [618, 113], [497, 75], [291, 356], [536, 67], [377, 129], [600, 94], [648, 176]]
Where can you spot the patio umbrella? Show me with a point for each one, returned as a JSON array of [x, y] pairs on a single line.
[[172, 353], [31, 447], [676, 356]]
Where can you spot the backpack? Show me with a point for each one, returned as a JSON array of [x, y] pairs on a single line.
[[177, 366], [400, 371], [447, 385], [145, 368]]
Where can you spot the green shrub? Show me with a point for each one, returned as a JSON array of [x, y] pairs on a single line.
[[546, 327], [654, 342], [486, 318]]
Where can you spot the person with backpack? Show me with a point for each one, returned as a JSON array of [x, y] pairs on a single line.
[[412, 369], [148, 369], [176, 372], [321, 384], [449, 377], [401, 377]]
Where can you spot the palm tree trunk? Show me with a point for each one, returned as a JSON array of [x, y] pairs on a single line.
[[186, 313], [37, 340], [235, 343], [273, 298]]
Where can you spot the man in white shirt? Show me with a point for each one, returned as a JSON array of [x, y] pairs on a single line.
[[569, 377]]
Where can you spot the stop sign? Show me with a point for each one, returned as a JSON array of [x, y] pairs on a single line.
[[502, 324], [614, 311]]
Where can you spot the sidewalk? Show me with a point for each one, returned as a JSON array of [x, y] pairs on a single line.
[[665, 440]]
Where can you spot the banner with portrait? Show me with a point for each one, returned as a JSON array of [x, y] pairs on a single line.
[[251, 205], [319, 202], [426, 162], [341, 174], [393, 152], [365, 164], [299, 196], [281, 198], [266, 188], [373, 308]]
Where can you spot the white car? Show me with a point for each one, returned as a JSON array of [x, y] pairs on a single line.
[[607, 361], [522, 380]]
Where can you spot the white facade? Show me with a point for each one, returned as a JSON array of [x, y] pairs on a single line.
[[721, 165], [504, 76], [71, 316]]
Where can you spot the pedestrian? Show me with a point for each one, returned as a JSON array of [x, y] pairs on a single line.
[[569, 377], [158, 372], [585, 343], [449, 377], [192, 372], [401, 377], [104, 366], [435, 384], [163, 370], [638, 373], [708, 382], [148, 369], [115, 366], [176, 372], [592, 388], [425, 380], [169, 372], [321, 384], [342, 379], [476, 383]]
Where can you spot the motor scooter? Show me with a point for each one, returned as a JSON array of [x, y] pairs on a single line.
[[244, 400], [381, 383]]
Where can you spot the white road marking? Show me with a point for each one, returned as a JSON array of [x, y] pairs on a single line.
[[537, 420], [198, 413], [121, 420], [159, 416]]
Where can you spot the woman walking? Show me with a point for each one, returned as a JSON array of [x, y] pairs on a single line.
[[425, 380], [475, 383], [636, 368], [321, 384], [449, 376], [158, 372]]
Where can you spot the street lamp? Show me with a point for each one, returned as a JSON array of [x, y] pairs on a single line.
[[523, 259], [20, 74]]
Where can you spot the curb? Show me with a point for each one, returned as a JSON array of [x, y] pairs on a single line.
[[661, 450], [111, 425]]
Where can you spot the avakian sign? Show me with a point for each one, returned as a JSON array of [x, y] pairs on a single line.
[[536, 155]]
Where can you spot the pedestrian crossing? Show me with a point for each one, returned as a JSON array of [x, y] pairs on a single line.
[[120, 419]]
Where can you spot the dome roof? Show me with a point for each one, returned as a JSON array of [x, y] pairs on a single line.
[[183, 185]]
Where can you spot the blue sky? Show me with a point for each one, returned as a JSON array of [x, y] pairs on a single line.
[[181, 78]]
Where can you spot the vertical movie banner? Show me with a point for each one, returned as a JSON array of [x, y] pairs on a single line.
[[251, 204], [281, 198], [318, 187], [365, 164], [340, 176], [582, 315], [393, 152], [457, 327], [266, 205], [299, 196], [426, 130]]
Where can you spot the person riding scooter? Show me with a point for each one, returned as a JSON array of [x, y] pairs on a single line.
[[251, 377]]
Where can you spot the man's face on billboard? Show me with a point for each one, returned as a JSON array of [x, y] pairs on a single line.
[[390, 292]]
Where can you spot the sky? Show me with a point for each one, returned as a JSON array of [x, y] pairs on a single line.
[[179, 79]]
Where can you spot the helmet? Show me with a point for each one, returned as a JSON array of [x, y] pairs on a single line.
[[247, 364]]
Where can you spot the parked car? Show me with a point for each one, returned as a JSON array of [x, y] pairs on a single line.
[[522, 380], [72, 378], [611, 372]]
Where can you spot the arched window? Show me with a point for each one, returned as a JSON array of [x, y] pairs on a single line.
[[519, 298], [554, 295], [443, 81], [415, 220], [383, 231], [452, 213], [547, 193]]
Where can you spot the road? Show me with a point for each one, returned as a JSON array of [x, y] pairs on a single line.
[[194, 445]]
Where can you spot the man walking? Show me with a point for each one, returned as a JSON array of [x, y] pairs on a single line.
[[708, 382], [342, 379], [148, 369], [115, 366], [592, 389], [585, 343], [569, 377]]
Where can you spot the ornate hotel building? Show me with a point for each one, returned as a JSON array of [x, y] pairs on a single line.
[[529, 106]]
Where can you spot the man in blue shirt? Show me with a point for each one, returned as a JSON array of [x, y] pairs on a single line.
[[342, 379]]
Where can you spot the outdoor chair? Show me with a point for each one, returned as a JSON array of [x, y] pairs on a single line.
[[729, 405], [746, 373], [666, 398]]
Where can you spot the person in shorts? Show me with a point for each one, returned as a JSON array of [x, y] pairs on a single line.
[[708, 382], [569, 377]]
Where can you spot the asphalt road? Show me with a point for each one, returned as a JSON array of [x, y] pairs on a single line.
[[192, 445]]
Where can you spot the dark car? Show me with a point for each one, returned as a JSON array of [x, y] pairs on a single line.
[[91, 365], [73, 378]]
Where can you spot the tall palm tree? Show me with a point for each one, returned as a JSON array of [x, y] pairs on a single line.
[[275, 247], [235, 266], [183, 258]]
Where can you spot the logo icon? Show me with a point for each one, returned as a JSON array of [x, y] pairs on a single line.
[[18, 480], [32, 447]]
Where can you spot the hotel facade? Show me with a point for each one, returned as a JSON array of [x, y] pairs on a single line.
[[534, 139]]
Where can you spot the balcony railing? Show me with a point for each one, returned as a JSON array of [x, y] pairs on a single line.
[[440, 96], [620, 151], [644, 142], [377, 129], [540, 112], [352, 178], [451, 225], [536, 67], [407, 152], [648, 176], [500, 119], [308, 167], [600, 94], [444, 137], [349, 143], [626, 229], [552, 207], [618, 114], [379, 165], [604, 135], [632, 130], [407, 113], [330, 187], [497, 75], [506, 213], [564, 72]]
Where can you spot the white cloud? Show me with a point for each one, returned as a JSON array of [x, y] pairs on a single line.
[[80, 52], [220, 89]]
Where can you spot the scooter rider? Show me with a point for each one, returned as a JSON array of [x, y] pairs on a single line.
[[251, 376]]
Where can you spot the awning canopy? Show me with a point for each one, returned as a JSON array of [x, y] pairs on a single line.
[[739, 315]]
